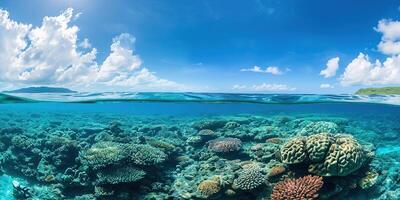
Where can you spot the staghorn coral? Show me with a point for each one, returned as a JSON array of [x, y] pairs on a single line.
[[224, 145], [293, 151], [145, 154], [208, 188], [103, 154], [249, 178], [126, 174], [305, 188]]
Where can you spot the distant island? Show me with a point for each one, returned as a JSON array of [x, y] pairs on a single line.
[[383, 90], [41, 90]]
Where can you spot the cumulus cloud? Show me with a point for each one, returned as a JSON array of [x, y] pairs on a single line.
[[390, 41], [331, 67], [264, 87], [364, 71], [271, 70], [51, 55], [361, 71], [326, 86]]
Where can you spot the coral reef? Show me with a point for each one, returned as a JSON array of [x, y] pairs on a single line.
[[85, 156], [303, 188]]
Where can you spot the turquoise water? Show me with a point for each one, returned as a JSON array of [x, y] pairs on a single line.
[[167, 146]]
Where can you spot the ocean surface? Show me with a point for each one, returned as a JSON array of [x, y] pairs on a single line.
[[198, 146]]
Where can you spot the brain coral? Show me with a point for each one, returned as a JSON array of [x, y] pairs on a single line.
[[224, 145], [304, 188], [208, 188], [127, 174], [145, 154], [103, 154], [293, 151], [344, 156], [317, 146], [337, 155], [249, 178]]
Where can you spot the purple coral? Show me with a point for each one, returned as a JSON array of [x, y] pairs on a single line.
[[224, 145]]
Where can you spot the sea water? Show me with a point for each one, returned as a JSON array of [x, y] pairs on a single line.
[[162, 145]]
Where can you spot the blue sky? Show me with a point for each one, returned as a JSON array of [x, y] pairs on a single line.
[[208, 45]]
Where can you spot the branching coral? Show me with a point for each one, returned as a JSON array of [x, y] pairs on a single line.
[[305, 188], [224, 145]]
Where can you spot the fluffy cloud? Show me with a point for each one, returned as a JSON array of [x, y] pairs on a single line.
[[264, 87], [51, 55], [271, 70], [363, 71], [331, 67], [390, 44], [326, 86]]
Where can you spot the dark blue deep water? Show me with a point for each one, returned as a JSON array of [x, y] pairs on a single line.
[[197, 146]]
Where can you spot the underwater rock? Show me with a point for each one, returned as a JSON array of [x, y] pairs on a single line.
[[305, 188], [263, 152], [126, 174], [337, 155], [21, 192], [249, 178], [225, 145]]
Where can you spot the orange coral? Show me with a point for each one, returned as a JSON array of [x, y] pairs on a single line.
[[277, 170], [208, 188], [304, 188]]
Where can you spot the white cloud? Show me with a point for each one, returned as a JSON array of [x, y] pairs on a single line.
[[264, 87], [85, 44], [51, 55], [326, 86], [271, 70], [331, 67], [361, 71], [239, 87], [390, 44]]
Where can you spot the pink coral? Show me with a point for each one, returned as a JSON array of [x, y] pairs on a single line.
[[224, 145], [305, 188]]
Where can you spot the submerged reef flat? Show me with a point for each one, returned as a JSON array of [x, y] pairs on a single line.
[[88, 156]]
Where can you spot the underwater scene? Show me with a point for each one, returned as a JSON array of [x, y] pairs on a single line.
[[159, 146]]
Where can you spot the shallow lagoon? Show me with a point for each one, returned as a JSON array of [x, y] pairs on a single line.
[[165, 150]]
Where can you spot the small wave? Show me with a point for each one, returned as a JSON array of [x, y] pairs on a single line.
[[197, 97]]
